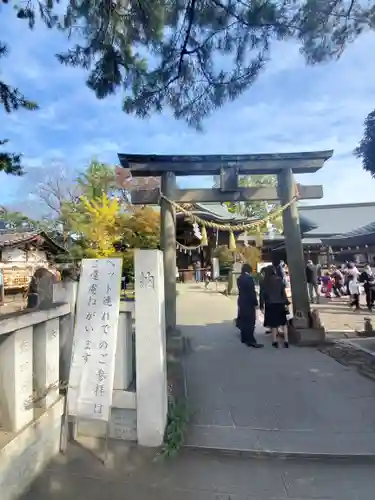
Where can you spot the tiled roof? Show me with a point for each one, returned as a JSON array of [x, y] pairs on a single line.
[[216, 212], [338, 219], [11, 239], [351, 224], [362, 236], [279, 242], [14, 239], [220, 211], [311, 241]]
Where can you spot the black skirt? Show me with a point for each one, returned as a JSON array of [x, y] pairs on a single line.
[[275, 315]]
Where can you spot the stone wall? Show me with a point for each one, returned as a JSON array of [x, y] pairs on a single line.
[[30, 402], [26, 455]]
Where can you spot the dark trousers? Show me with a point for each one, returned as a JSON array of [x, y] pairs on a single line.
[[337, 289], [369, 297], [247, 327], [355, 300]]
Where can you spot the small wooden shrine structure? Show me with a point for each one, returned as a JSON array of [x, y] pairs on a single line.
[[22, 252], [190, 245]]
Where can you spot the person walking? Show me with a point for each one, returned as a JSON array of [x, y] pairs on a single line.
[[354, 293], [247, 304], [351, 273], [207, 277], [338, 281], [368, 279], [261, 298], [312, 281], [198, 276], [327, 284], [274, 303], [123, 283]]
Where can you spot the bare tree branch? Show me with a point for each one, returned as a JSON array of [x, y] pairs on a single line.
[[57, 189]]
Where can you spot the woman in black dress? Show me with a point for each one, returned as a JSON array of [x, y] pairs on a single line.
[[274, 302]]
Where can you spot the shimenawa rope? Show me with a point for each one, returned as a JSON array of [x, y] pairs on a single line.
[[226, 227]]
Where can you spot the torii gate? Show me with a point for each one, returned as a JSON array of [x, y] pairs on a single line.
[[229, 167]]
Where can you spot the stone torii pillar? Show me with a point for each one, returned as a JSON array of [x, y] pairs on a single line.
[[294, 249], [168, 245]]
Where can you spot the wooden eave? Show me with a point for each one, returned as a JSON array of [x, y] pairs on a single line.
[[252, 164]]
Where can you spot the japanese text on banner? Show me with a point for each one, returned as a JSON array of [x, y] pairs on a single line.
[[95, 339]]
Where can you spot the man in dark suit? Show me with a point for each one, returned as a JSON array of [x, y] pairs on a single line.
[[247, 304], [368, 279], [312, 281]]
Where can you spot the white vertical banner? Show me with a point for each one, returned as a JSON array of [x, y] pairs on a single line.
[[95, 339], [215, 268]]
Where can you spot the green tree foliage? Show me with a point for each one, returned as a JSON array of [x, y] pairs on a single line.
[[193, 56], [60, 192], [97, 222], [256, 209], [253, 209], [101, 229], [224, 255], [89, 215], [97, 219], [97, 180], [17, 221], [140, 229], [12, 99], [366, 148]]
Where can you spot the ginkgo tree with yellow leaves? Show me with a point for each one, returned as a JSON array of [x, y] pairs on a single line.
[[104, 224], [98, 222]]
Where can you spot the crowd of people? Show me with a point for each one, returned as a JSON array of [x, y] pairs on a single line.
[[341, 281], [345, 280]]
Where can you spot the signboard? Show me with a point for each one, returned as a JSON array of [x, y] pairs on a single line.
[[95, 339], [215, 269]]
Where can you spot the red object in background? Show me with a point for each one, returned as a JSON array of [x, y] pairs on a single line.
[[125, 181]]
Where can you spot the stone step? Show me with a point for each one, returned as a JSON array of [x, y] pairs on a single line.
[[123, 426], [282, 443]]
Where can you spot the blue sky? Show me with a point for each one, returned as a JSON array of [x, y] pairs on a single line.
[[291, 108]]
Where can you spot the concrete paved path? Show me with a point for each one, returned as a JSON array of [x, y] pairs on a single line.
[[236, 392], [286, 401], [133, 475], [337, 316]]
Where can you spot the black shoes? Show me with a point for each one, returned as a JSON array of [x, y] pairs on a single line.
[[255, 345], [276, 345]]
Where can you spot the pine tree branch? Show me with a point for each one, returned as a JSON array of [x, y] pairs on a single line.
[[191, 13], [10, 163]]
